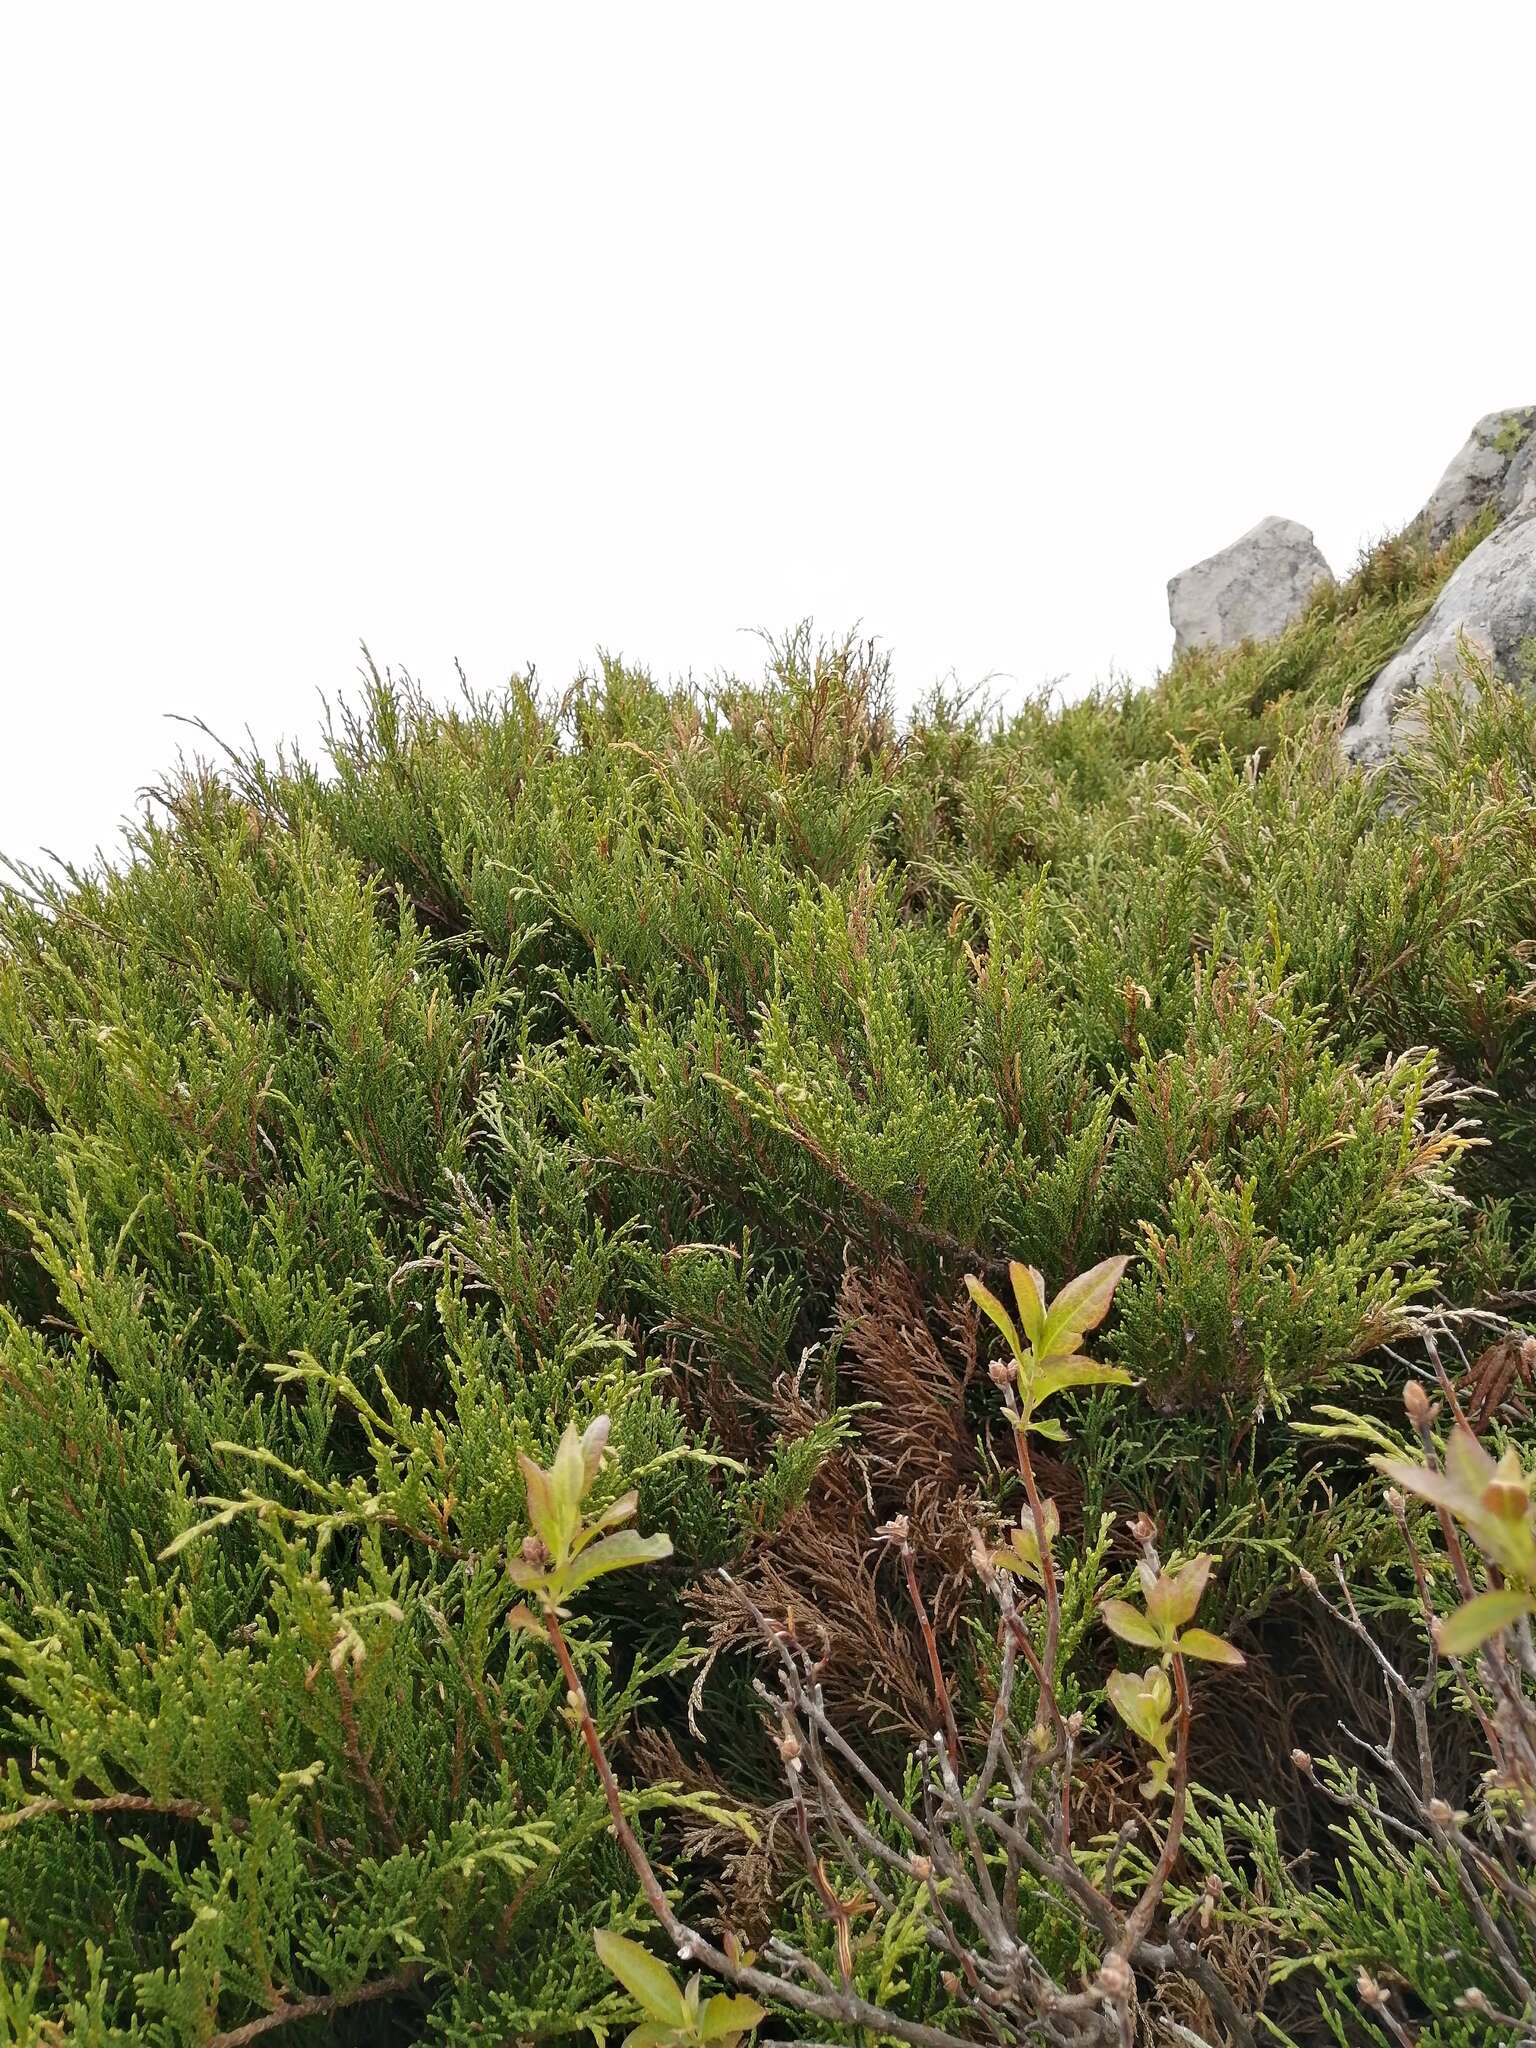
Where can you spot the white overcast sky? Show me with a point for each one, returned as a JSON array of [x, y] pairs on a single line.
[[506, 333]]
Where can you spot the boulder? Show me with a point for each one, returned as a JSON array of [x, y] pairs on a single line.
[[1494, 464], [1252, 590], [1489, 604], [1519, 492]]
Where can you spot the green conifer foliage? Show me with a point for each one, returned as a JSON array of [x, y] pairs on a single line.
[[531, 1060]]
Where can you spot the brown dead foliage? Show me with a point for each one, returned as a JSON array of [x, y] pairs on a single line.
[[824, 1571], [745, 1878], [1240, 1956], [1309, 1685], [1499, 1381]]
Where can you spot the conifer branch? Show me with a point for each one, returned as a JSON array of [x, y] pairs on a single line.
[[320, 2007]]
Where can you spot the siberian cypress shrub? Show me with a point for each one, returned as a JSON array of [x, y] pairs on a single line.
[[675, 1055]]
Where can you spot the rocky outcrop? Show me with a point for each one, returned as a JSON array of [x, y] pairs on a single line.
[[1519, 492], [1251, 590], [1495, 463], [1486, 612], [1488, 607]]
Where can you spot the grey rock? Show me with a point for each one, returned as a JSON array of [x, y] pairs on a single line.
[[1498, 445], [1251, 590], [1519, 493], [1489, 604]]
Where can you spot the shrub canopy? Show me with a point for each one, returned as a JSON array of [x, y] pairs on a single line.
[[676, 1054]]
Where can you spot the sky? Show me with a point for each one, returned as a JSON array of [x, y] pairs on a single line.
[[506, 334]]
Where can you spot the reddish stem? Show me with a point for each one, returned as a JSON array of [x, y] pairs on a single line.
[[1137, 1926], [935, 1663]]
